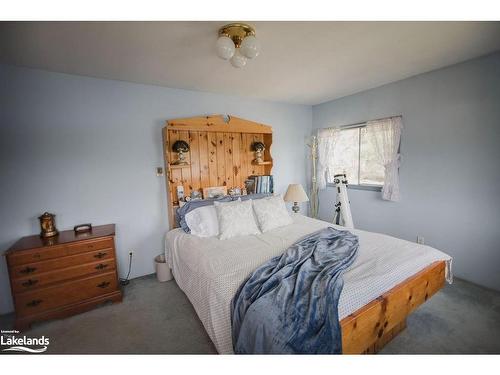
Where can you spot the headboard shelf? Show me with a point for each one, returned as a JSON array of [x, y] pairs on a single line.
[[178, 166], [263, 163], [220, 154]]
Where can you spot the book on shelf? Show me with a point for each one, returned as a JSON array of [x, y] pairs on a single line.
[[260, 184]]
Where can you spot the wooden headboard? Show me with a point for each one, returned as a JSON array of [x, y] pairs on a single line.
[[220, 154]]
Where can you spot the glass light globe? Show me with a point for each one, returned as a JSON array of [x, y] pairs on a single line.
[[238, 60], [250, 47], [225, 47]]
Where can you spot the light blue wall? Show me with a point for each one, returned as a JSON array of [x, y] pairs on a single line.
[[86, 149], [450, 171]]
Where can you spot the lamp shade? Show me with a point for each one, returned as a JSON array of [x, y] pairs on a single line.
[[295, 193], [225, 47], [250, 47], [238, 60]]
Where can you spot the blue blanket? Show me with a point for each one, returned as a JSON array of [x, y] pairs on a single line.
[[290, 303]]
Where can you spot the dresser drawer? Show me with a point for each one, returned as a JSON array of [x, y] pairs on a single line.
[[33, 269], [86, 246], [37, 301], [43, 279], [36, 255]]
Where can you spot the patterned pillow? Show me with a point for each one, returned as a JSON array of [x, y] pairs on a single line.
[[180, 213], [271, 213], [202, 222], [236, 219]]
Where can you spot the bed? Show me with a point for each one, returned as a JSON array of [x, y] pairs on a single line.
[[389, 279]]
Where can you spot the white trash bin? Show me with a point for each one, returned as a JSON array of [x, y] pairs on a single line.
[[163, 272]]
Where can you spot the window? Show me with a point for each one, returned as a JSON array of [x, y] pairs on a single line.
[[355, 155], [367, 153]]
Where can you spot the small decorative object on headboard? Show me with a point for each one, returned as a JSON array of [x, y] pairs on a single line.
[[214, 192], [180, 147], [234, 191], [195, 195], [259, 148], [48, 225], [180, 192]]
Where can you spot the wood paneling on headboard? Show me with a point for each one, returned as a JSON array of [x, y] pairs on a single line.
[[219, 154]]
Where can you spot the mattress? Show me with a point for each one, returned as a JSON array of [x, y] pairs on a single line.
[[210, 271]]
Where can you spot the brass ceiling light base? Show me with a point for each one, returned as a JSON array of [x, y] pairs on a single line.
[[237, 43], [237, 32]]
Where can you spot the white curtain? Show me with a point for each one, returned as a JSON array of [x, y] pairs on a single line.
[[386, 135], [327, 138]]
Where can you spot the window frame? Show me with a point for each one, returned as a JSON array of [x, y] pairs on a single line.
[[367, 187]]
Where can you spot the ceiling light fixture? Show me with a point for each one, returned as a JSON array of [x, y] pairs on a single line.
[[237, 43]]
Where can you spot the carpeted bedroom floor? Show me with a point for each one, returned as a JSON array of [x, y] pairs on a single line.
[[158, 318]]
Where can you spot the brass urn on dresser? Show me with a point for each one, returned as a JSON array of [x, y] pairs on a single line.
[[64, 275]]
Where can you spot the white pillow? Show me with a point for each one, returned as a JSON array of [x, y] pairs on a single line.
[[202, 222], [271, 213], [236, 219]]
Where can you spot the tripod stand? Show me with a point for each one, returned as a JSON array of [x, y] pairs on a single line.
[[342, 214]]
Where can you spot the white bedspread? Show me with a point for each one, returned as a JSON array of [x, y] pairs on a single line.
[[210, 271]]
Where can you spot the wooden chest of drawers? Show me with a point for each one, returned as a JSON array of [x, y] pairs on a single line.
[[63, 275]]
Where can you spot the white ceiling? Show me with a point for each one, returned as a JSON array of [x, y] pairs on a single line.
[[300, 62]]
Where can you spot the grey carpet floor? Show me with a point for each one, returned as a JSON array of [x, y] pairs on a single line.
[[158, 318]]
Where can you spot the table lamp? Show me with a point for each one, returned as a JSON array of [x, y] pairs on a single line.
[[295, 193]]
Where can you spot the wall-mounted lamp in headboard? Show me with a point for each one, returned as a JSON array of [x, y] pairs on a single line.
[[258, 148], [180, 147]]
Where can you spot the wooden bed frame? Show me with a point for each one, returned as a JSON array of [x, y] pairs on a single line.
[[375, 324], [220, 155]]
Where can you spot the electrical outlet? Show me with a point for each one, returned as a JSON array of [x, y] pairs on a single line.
[[420, 240], [130, 253], [159, 171]]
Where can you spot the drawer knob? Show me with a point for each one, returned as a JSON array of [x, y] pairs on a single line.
[[100, 255], [90, 246], [104, 284], [34, 303], [29, 283], [28, 270], [36, 256], [101, 266]]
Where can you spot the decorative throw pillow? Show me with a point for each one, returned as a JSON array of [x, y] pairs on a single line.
[[271, 213], [202, 222], [181, 212], [236, 219]]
